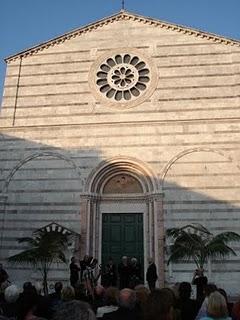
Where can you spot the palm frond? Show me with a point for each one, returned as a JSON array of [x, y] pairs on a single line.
[[30, 241], [179, 253], [227, 236], [173, 232], [45, 247], [188, 230], [183, 250], [197, 227], [26, 257], [194, 241], [219, 250]]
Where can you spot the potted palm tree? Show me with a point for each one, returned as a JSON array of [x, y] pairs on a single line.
[[197, 243], [44, 249]]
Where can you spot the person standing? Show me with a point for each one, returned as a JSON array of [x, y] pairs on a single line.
[[124, 273], [83, 266], [200, 281], [187, 306], [135, 273], [151, 274], [216, 307], [3, 275], [90, 276], [110, 274], [74, 272]]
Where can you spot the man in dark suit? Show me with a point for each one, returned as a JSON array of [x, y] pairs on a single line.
[[151, 274], [74, 272], [109, 277], [127, 307], [124, 271]]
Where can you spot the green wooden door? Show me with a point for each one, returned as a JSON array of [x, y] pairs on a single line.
[[122, 234]]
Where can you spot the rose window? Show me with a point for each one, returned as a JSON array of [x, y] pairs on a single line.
[[123, 77]]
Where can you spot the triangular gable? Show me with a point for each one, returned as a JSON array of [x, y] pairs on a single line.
[[54, 226], [123, 15]]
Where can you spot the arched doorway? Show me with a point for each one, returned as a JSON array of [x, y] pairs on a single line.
[[122, 203], [122, 223]]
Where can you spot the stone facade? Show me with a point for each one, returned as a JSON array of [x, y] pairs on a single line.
[[62, 138]]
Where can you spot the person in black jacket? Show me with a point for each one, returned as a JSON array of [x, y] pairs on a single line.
[[124, 271], [83, 266], [200, 281], [187, 306], [74, 272], [110, 275], [151, 274], [135, 273]]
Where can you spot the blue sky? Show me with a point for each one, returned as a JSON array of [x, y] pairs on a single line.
[[25, 23]]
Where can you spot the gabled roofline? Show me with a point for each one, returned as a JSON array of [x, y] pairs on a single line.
[[123, 15], [62, 228]]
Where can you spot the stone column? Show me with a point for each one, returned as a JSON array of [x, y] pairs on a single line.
[[150, 231], [89, 225], [84, 224], [159, 236], [94, 227]]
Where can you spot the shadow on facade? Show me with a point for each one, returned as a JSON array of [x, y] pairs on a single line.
[[75, 187]]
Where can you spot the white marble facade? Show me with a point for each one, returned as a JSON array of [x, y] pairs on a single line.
[[125, 95]]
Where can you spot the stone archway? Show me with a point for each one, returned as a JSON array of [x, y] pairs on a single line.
[[138, 191]]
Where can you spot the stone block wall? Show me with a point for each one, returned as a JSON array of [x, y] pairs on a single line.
[[54, 132]]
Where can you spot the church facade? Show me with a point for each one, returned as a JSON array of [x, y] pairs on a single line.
[[117, 131]]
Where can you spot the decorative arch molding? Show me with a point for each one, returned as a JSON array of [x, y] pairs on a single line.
[[34, 156], [230, 161], [4, 195], [94, 203], [189, 151], [131, 166]]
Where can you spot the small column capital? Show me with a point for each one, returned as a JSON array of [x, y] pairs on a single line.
[[89, 196], [157, 196]]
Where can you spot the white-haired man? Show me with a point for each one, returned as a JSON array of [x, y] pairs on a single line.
[[135, 273], [127, 307]]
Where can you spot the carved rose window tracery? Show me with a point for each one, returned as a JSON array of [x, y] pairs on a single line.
[[123, 77]]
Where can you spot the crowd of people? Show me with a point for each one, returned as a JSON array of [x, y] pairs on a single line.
[[108, 302], [127, 274]]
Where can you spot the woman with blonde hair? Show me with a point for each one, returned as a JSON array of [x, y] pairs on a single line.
[[217, 307]]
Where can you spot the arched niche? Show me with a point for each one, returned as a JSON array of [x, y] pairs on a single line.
[[200, 186], [43, 188], [122, 184]]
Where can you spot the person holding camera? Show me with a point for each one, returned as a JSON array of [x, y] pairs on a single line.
[[200, 281]]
